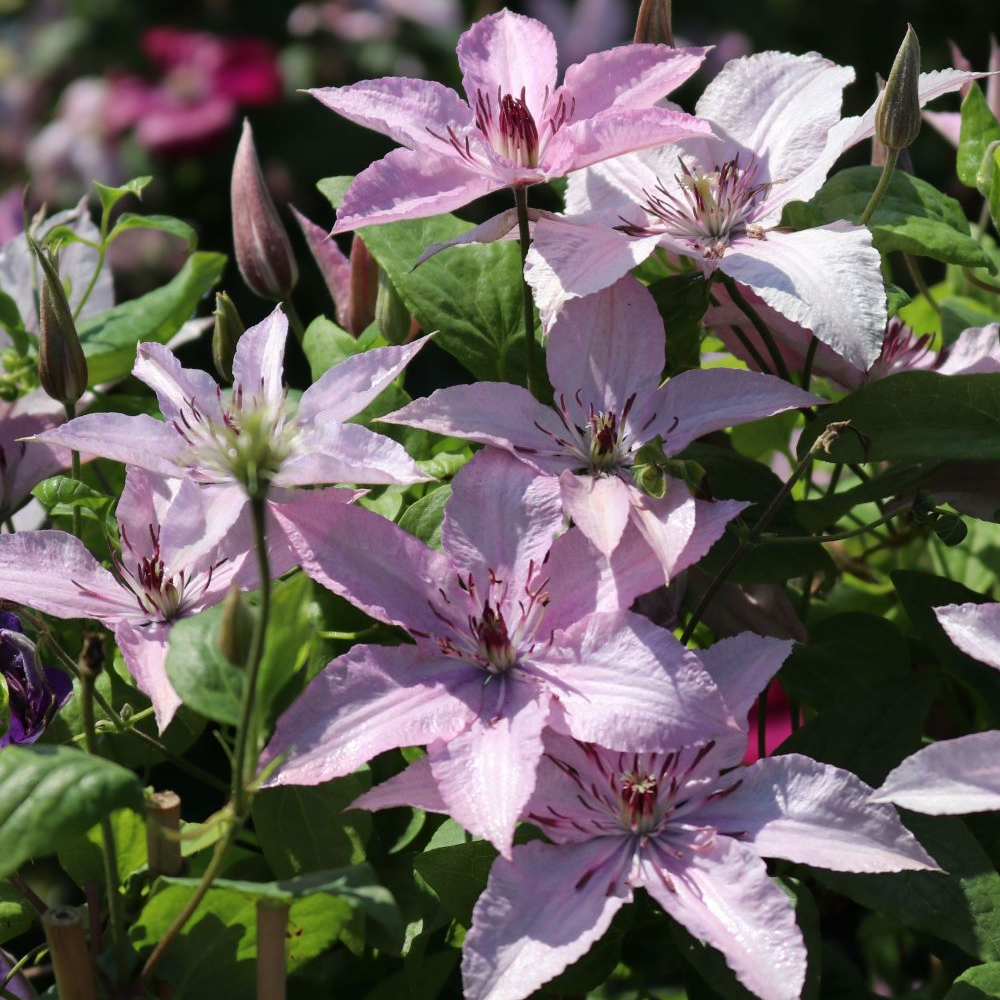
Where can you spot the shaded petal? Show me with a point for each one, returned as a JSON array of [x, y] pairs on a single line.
[[179, 390], [368, 560], [599, 507], [974, 628], [346, 389], [500, 521], [332, 262], [742, 665], [948, 778], [144, 648], [629, 76], [722, 894], [539, 913], [796, 808], [400, 107], [410, 184], [506, 53], [413, 786], [493, 229], [371, 699], [260, 359], [486, 773], [627, 684], [699, 401], [948, 123], [976, 351]]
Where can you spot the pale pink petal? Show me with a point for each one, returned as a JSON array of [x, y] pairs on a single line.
[[567, 261], [369, 700], [699, 401], [606, 349], [951, 777], [260, 359], [710, 520], [629, 76], [333, 264], [722, 894], [742, 665], [497, 413], [177, 389], [486, 773], [599, 507], [346, 389], [403, 109], [413, 786], [803, 275], [496, 228], [614, 191], [410, 184], [54, 572], [500, 521], [539, 913], [974, 628], [627, 684], [144, 648], [507, 53], [976, 351], [796, 808], [140, 440], [948, 123]]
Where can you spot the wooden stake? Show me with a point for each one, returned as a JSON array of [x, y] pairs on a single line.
[[70, 957], [163, 824], [272, 922]]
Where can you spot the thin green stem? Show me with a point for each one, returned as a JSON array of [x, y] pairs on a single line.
[[891, 155], [807, 365], [294, 319], [921, 285], [101, 251], [20, 964], [986, 286], [111, 878], [760, 326], [25, 890], [75, 473], [838, 537], [524, 235], [751, 349]]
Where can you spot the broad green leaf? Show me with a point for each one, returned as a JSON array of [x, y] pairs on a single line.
[[962, 906], [16, 914], [913, 217], [10, 320], [205, 680], [326, 344], [68, 492], [291, 636], [915, 416], [423, 518], [161, 223], [682, 300], [458, 875], [305, 828], [109, 339], [981, 982], [979, 129], [52, 795], [470, 295], [83, 858], [110, 196]]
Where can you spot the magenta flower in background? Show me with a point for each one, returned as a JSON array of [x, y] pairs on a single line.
[[518, 127], [605, 357], [34, 693], [514, 630], [949, 123]]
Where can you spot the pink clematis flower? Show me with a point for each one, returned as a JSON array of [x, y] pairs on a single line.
[[949, 123], [514, 629], [203, 432], [518, 126], [605, 357], [718, 201], [974, 628]]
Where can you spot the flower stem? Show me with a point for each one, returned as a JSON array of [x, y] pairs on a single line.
[[102, 247], [807, 365], [521, 200], [751, 349], [921, 285], [759, 325], [294, 319], [25, 890], [880, 189], [838, 537], [20, 964], [75, 473]]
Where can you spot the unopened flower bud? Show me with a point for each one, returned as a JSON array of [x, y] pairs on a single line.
[[655, 22], [879, 152], [62, 368], [226, 335], [364, 288], [897, 117], [236, 629], [391, 315], [263, 252]]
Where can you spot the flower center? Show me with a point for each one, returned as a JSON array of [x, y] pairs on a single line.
[[512, 132], [902, 348], [639, 801], [494, 647]]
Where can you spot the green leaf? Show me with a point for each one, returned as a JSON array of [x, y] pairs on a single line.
[[203, 678], [989, 185], [913, 217], [110, 196], [458, 875], [52, 795], [979, 129], [305, 828], [915, 416], [981, 982], [109, 339], [682, 300], [444, 464], [161, 223], [10, 320], [470, 295], [962, 906], [423, 519], [83, 858], [16, 914], [67, 492], [326, 344]]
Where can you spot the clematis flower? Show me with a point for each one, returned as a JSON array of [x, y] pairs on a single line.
[[949, 123], [719, 201], [514, 630], [974, 628], [605, 357], [211, 438], [518, 127], [33, 693]]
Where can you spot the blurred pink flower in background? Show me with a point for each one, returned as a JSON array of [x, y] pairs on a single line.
[[949, 123], [365, 20]]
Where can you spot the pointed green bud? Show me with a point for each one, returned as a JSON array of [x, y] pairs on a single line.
[[391, 315], [62, 368], [225, 335], [363, 288], [655, 22], [236, 629], [263, 251], [897, 117]]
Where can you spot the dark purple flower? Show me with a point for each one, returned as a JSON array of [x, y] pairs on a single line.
[[35, 692]]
